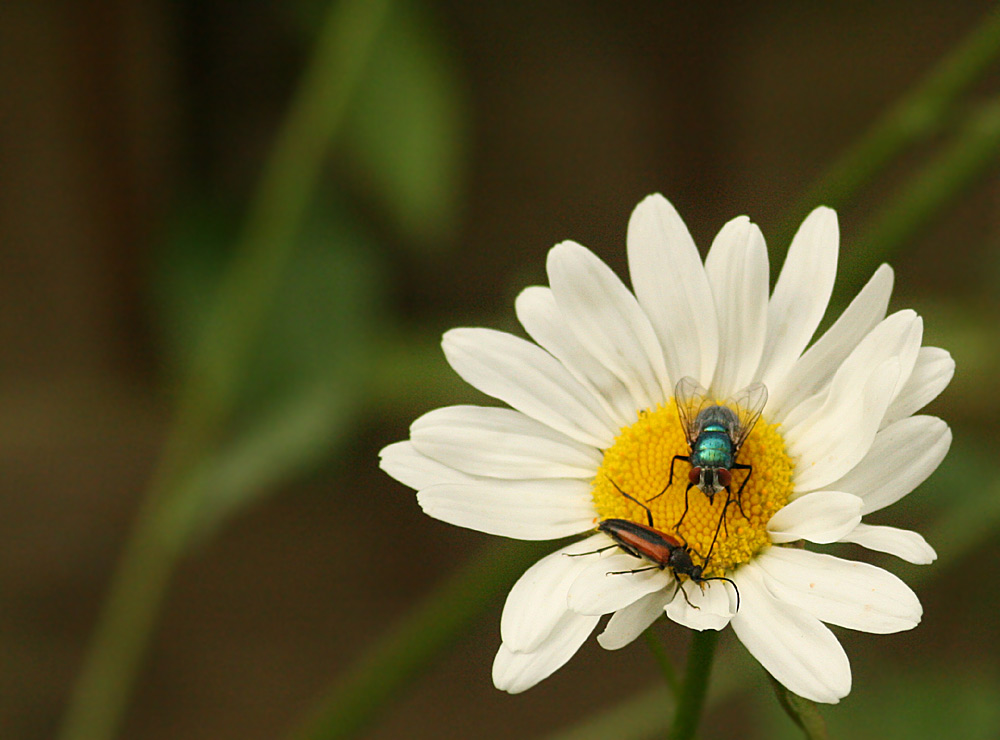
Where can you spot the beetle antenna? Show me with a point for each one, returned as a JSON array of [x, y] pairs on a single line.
[[730, 581], [649, 513]]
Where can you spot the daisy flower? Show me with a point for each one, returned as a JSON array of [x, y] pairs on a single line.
[[593, 428]]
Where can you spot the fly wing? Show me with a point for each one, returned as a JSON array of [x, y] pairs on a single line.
[[748, 405], [691, 400]]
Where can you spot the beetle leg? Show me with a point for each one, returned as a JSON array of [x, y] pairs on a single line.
[[680, 587], [592, 552], [627, 572]]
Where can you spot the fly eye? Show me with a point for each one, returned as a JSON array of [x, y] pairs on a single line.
[[724, 477], [694, 476]]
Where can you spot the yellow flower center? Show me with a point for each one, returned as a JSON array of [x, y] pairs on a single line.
[[639, 464]]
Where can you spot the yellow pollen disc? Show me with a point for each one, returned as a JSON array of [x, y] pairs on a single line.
[[639, 464]]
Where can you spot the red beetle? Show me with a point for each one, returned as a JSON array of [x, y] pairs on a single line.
[[662, 549]]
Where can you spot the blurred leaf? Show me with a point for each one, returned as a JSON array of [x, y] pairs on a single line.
[[289, 439], [405, 138], [306, 376], [322, 325], [185, 275]]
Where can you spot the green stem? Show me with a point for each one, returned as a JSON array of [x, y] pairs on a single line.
[[914, 117], [209, 392], [695, 687], [400, 654]]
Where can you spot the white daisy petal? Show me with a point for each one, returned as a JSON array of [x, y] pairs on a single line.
[[902, 456], [822, 516], [522, 509], [608, 321], [801, 294], [910, 546], [896, 337], [907, 354], [402, 461], [500, 443], [609, 585], [791, 644], [516, 672], [627, 624], [737, 271], [670, 284], [806, 411], [540, 316], [537, 601], [836, 438], [931, 374], [530, 380], [712, 605], [816, 367], [841, 592]]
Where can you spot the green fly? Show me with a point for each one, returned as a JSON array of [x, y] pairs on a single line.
[[715, 433]]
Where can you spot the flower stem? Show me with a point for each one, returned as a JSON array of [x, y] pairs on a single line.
[[695, 686]]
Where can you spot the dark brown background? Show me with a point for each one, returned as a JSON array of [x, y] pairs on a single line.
[[110, 110]]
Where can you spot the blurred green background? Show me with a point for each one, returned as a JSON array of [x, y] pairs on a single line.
[[148, 157]]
